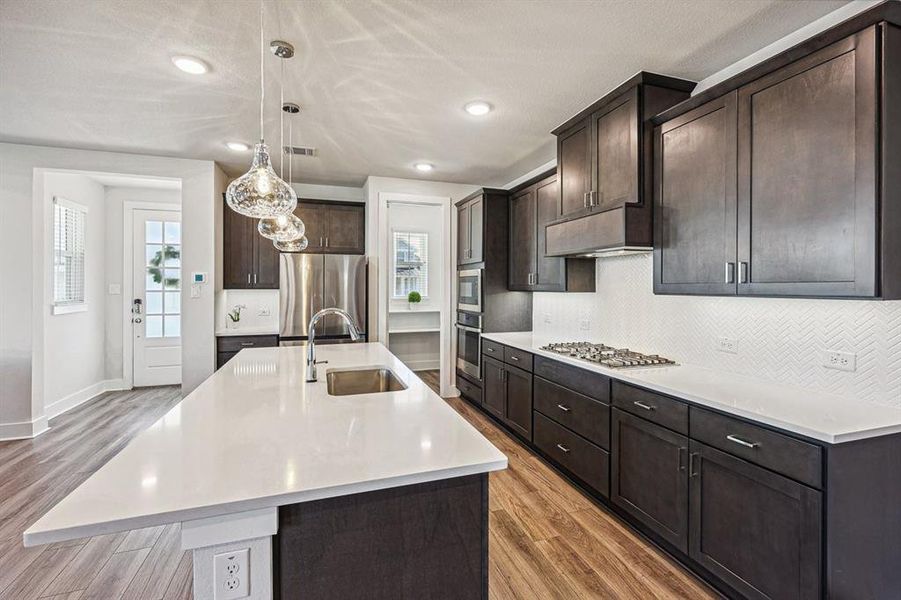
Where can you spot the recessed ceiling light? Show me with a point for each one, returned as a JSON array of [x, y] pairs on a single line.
[[238, 146], [191, 65], [424, 167], [478, 108]]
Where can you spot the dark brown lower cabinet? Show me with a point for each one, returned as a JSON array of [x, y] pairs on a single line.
[[756, 530], [493, 388], [507, 394], [649, 476]]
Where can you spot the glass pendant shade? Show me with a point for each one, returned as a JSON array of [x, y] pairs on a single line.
[[298, 245], [282, 228], [260, 193]]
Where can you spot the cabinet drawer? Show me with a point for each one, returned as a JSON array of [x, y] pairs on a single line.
[[235, 343], [518, 358], [469, 390], [783, 454], [655, 408], [594, 385], [587, 417], [493, 349], [574, 453]]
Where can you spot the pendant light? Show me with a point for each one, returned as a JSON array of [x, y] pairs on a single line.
[[260, 193], [298, 245]]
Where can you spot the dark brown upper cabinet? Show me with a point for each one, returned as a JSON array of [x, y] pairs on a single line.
[[695, 200], [333, 227], [603, 168], [470, 231], [532, 207], [249, 261], [797, 159]]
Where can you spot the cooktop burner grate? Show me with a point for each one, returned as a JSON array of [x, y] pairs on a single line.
[[608, 356]]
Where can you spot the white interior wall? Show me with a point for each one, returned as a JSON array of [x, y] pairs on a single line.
[[74, 343], [22, 236]]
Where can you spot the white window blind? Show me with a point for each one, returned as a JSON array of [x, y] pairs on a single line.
[[69, 221], [411, 263]]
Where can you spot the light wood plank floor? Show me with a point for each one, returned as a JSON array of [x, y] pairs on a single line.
[[547, 540]]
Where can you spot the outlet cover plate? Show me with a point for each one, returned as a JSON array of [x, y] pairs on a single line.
[[729, 345], [841, 361], [231, 575]]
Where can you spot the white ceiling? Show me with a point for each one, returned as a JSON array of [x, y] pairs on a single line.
[[381, 83]]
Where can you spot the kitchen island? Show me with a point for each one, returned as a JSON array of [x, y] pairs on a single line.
[[383, 492]]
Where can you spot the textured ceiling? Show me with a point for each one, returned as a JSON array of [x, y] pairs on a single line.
[[381, 84]]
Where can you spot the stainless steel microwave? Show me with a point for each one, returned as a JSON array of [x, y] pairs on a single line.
[[469, 290]]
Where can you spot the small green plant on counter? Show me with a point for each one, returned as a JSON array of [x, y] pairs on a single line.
[[235, 314]]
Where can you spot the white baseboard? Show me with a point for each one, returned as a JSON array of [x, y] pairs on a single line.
[[422, 365], [23, 430], [81, 396]]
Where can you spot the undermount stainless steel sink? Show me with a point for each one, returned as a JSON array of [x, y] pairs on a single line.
[[362, 381]]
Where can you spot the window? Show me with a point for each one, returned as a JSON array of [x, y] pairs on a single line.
[[69, 221], [162, 253], [411, 263]]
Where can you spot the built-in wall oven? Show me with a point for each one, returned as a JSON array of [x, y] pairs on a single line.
[[469, 340], [469, 290]]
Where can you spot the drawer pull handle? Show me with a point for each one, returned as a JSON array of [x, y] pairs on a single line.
[[737, 440], [247, 343], [564, 408], [489, 349], [563, 448], [516, 358], [644, 406]]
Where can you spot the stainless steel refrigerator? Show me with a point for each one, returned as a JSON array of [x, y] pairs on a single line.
[[311, 282]]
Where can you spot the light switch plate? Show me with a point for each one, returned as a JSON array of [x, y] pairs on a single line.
[[115, 289], [231, 575]]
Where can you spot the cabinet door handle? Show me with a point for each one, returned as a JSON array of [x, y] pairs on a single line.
[[737, 440], [644, 406], [682, 452], [691, 464], [248, 278], [326, 242], [730, 272], [591, 198], [563, 448], [255, 278], [742, 272], [564, 408], [585, 200], [321, 245]]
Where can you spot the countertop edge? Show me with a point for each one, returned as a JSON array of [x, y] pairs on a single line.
[[39, 538], [786, 426]]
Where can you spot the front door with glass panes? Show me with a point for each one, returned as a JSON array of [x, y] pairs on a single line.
[[156, 304]]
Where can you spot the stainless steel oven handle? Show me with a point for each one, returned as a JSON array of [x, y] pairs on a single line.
[[467, 328]]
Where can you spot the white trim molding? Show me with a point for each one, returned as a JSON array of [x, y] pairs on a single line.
[[24, 430], [67, 403]]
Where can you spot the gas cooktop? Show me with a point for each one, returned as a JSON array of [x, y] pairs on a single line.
[[615, 358]]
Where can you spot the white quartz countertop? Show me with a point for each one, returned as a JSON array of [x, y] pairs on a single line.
[[821, 416], [256, 435]]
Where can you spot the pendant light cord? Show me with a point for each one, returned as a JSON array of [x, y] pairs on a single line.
[[281, 123], [262, 74], [290, 143]]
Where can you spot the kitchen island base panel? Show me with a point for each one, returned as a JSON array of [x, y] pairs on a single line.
[[427, 540]]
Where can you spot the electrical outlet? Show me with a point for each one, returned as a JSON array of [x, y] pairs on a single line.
[[584, 325], [231, 575], [842, 361], [724, 344], [264, 311], [547, 318]]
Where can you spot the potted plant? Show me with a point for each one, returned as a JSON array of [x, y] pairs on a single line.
[[414, 298], [234, 316]]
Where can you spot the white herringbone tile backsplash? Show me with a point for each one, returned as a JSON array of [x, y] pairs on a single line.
[[778, 339]]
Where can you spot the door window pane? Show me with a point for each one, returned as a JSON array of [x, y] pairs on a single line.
[[173, 303], [154, 255], [172, 279], [173, 326], [172, 255], [154, 280], [172, 233], [154, 303], [153, 232], [153, 327]]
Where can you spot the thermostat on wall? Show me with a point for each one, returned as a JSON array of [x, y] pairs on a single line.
[[199, 277]]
